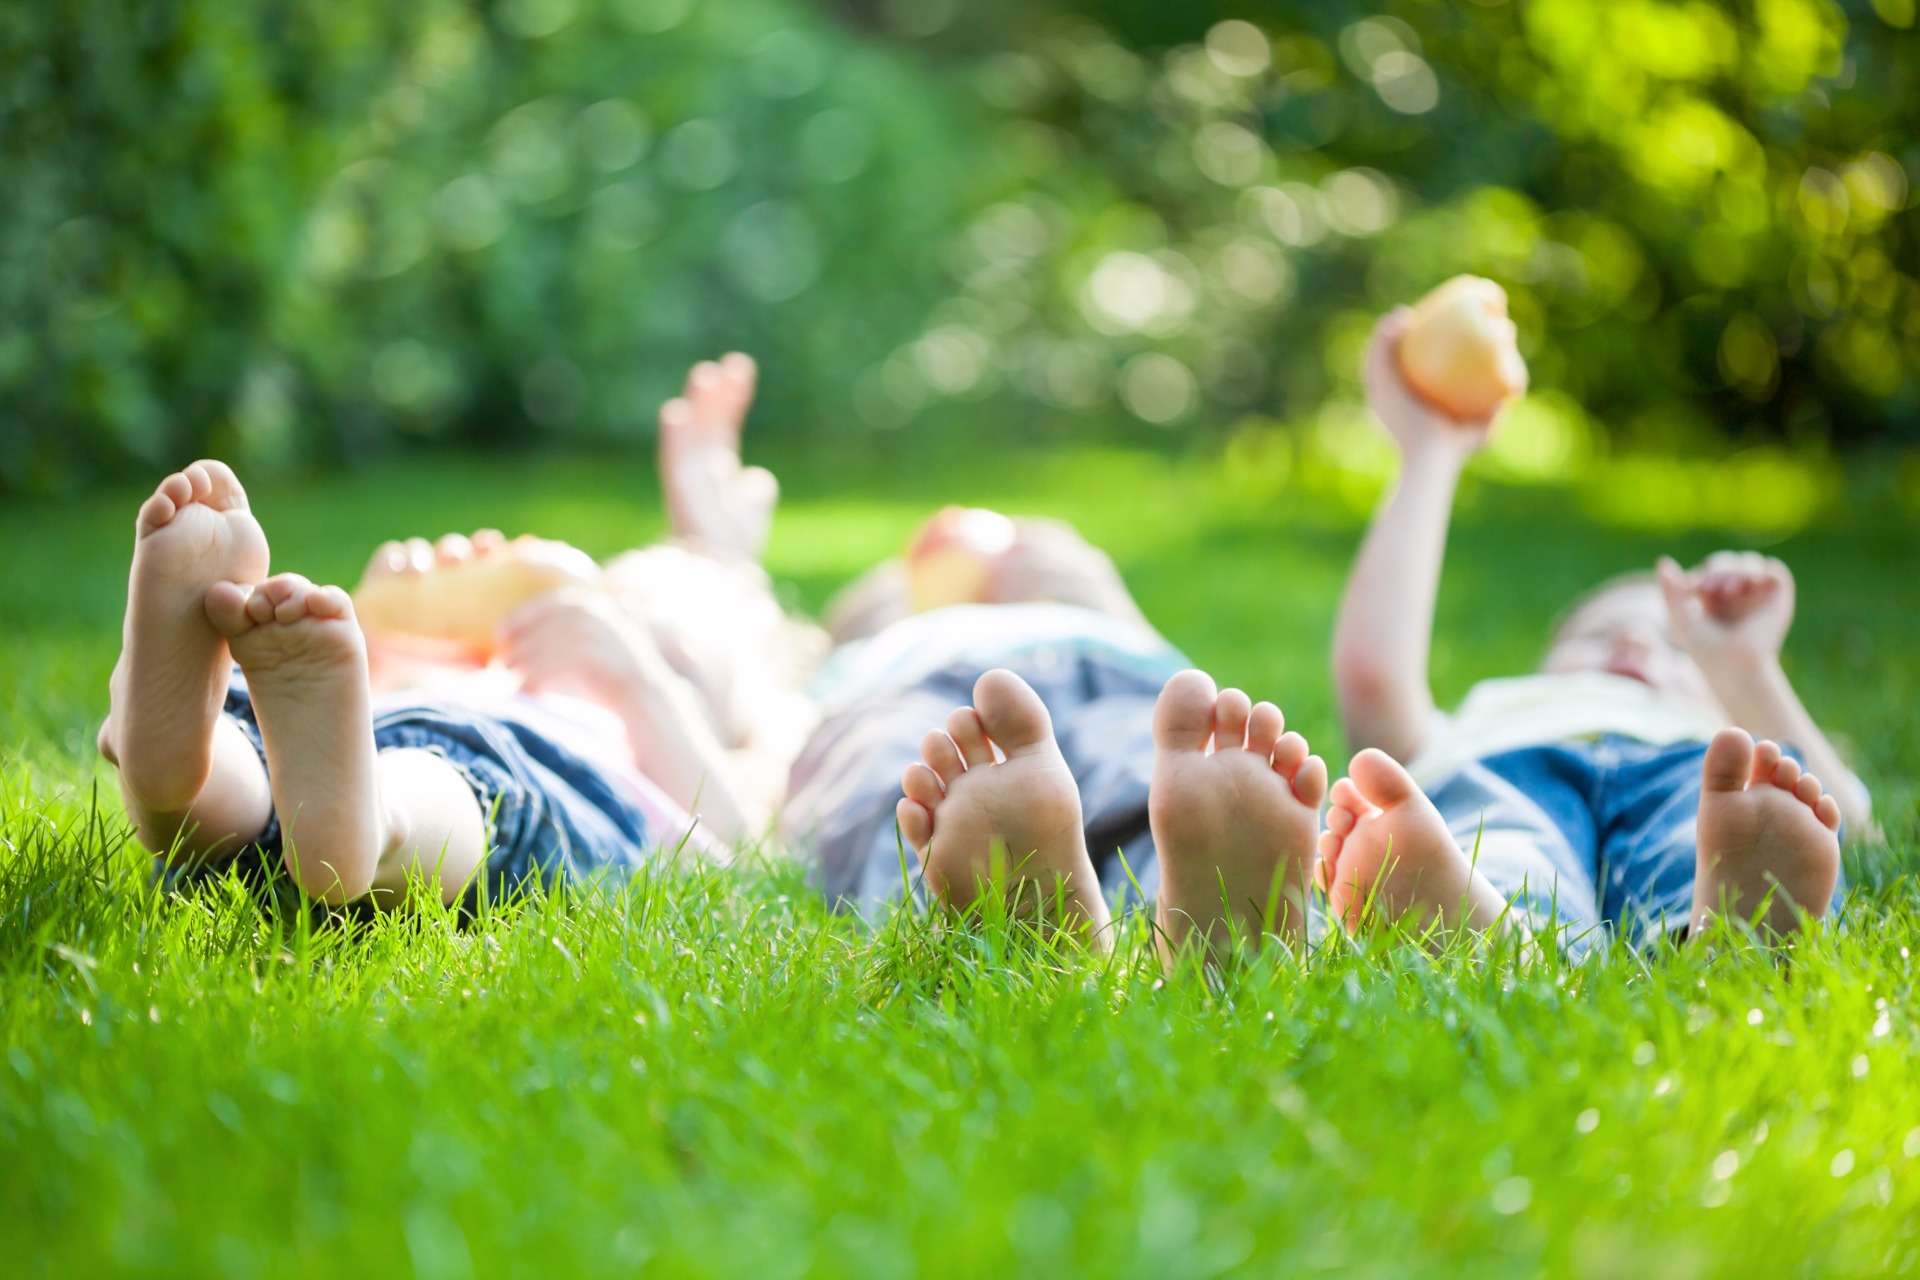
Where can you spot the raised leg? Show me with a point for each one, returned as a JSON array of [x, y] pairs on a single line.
[[356, 822], [189, 780], [712, 499]]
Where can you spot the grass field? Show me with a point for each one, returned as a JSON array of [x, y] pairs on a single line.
[[714, 1076]]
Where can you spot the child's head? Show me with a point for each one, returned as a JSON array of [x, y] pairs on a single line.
[[1622, 627]]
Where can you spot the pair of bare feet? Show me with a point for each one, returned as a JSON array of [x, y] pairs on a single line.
[[199, 599], [1234, 806], [1235, 811]]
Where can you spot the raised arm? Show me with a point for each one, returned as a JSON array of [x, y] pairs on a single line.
[[582, 643], [1732, 615], [1385, 630]]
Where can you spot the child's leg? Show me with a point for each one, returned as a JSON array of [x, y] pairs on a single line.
[[354, 820], [712, 500], [435, 830], [187, 774]]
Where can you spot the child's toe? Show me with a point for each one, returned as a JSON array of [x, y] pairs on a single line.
[[1231, 711], [1264, 727], [1381, 779], [1183, 717], [1828, 811], [922, 786], [158, 511], [941, 756], [227, 607], [1729, 762], [329, 602], [1289, 753], [1010, 712], [968, 734], [283, 597], [916, 824], [1310, 782]]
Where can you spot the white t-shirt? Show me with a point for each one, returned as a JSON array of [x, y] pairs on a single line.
[[1533, 711]]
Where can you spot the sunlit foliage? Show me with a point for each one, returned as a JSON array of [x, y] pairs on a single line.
[[1702, 211], [284, 231]]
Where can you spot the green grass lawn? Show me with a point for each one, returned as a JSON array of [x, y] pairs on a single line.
[[712, 1075]]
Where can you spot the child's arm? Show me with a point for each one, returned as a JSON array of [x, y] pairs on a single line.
[[1385, 629], [582, 643], [1732, 615]]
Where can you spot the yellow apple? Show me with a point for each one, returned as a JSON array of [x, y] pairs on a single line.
[[465, 602], [952, 560], [1459, 352]]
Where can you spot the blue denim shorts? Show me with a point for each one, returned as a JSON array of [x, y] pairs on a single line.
[[1585, 837], [552, 816], [846, 783]]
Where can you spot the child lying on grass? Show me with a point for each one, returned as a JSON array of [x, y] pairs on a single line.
[[1617, 787], [1085, 757], [589, 767], [663, 684]]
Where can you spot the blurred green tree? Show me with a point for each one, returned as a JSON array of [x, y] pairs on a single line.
[[280, 230], [1703, 211]]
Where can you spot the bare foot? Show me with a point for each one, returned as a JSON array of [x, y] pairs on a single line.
[[1234, 826], [171, 679], [1765, 828], [711, 498], [306, 668], [1015, 823], [1387, 855]]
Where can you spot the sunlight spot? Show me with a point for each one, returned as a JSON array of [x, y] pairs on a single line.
[[1512, 1196], [1643, 1053], [1239, 48], [1158, 388], [1861, 1067], [1726, 1164], [1587, 1121]]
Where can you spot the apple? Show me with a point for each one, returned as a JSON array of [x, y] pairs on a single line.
[[464, 603], [1459, 351], [954, 557]]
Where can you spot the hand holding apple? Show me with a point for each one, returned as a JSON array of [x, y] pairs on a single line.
[[1459, 353]]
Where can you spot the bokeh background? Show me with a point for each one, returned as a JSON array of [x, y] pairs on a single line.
[[298, 233]]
